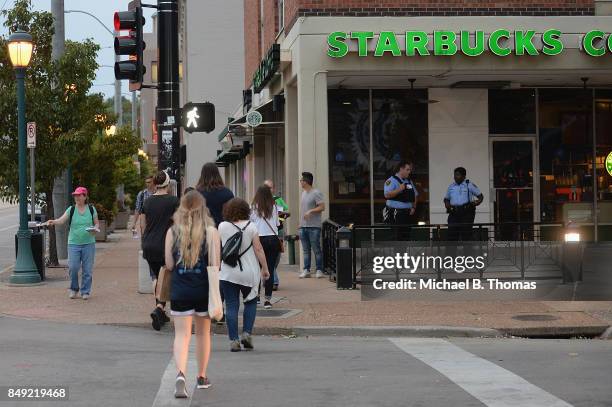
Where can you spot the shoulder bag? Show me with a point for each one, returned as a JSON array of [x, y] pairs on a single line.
[[215, 305], [281, 245], [164, 280]]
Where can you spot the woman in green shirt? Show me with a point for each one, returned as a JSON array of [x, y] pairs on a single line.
[[83, 223]]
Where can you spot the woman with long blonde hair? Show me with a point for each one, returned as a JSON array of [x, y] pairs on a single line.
[[192, 244]]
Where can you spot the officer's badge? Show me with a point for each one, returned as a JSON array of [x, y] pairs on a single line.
[[388, 182]]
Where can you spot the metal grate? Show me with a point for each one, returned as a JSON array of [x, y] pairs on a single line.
[[535, 317]]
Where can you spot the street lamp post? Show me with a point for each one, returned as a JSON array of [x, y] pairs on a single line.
[[20, 51]]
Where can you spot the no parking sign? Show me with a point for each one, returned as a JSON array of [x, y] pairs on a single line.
[[31, 134]]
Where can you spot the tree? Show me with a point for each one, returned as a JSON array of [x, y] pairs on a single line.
[[57, 100], [115, 152], [126, 104]]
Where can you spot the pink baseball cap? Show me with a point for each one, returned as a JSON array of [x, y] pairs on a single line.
[[80, 191]]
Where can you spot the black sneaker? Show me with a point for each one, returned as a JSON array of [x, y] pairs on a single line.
[[258, 300], [165, 316], [267, 305], [275, 287], [157, 319], [203, 383]]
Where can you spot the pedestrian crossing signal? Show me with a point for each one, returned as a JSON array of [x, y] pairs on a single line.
[[198, 117]]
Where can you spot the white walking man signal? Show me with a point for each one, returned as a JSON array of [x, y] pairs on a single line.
[[192, 115]]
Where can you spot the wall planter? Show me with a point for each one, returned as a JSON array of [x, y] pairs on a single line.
[[121, 220], [101, 235]]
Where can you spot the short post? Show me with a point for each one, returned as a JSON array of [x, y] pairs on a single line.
[[572, 254], [291, 248], [344, 259], [145, 285]]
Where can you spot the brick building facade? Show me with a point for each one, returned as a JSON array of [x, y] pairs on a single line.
[[257, 43]]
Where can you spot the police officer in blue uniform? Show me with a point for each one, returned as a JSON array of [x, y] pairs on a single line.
[[461, 200], [401, 195]]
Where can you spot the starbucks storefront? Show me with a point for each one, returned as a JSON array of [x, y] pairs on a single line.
[[525, 108]]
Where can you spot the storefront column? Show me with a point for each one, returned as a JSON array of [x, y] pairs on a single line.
[[260, 170], [313, 130], [458, 137], [292, 174]]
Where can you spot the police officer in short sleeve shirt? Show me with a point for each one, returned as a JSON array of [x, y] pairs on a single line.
[[461, 200], [401, 195]]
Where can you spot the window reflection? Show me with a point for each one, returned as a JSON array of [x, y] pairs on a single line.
[[512, 111], [400, 132], [349, 150], [603, 123], [566, 151]]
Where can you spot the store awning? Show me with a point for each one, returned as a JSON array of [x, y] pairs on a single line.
[[235, 138], [272, 119]]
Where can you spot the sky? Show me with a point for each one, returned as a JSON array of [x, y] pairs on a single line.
[[81, 26]]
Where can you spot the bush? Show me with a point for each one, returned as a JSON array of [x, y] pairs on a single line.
[[104, 214]]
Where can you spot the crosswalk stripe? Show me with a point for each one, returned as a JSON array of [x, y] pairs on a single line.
[[165, 394], [493, 385]]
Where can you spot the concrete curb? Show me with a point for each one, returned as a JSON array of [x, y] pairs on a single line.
[[607, 334], [433, 331], [591, 331], [217, 329], [7, 270]]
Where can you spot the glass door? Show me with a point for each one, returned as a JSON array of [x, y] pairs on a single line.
[[512, 170]]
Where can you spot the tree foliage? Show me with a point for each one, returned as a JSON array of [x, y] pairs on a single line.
[[107, 163], [70, 120], [56, 99]]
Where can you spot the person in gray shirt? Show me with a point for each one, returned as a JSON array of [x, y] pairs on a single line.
[[311, 209]]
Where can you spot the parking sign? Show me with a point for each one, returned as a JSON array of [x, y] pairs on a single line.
[[31, 135]]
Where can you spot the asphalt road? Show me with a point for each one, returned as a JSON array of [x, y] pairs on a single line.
[[9, 223], [112, 366]]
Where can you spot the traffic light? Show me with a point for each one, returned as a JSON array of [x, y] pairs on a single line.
[[132, 45]]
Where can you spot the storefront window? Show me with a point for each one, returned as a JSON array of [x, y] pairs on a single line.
[[566, 155], [349, 156], [400, 132], [512, 111], [603, 132]]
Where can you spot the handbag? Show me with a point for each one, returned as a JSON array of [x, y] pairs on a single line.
[[162, 287], [281, 245], [215, 305]]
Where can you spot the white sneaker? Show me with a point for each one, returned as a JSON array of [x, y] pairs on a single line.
[[305, 274], [319, 274], [85, 297], [73, 294], [180, 388]]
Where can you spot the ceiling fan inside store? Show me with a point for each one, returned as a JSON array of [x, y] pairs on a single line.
[[414, 99]]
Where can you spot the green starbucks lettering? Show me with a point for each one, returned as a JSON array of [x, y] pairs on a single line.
[[501, 42]]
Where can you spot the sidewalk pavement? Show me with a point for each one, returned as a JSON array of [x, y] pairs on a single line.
[[315, 304]]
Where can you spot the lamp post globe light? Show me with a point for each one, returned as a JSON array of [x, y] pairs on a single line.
[[20, 49]]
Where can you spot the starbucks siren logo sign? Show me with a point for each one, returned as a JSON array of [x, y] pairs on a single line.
[[254, 118], [609, 163]]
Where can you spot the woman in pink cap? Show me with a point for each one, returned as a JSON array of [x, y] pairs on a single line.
[[83, 223]]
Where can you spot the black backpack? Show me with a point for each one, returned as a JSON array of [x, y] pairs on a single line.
[[91, 211], [230, 253]]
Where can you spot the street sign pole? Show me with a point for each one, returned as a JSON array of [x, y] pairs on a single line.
[[32, 180], [31, 141]]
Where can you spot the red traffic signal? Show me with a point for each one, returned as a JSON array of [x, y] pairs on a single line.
[[131, 45]]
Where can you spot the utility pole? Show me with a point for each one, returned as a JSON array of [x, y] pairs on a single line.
[[134, 112], [118, 97], [168, 97], [60, 186]]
